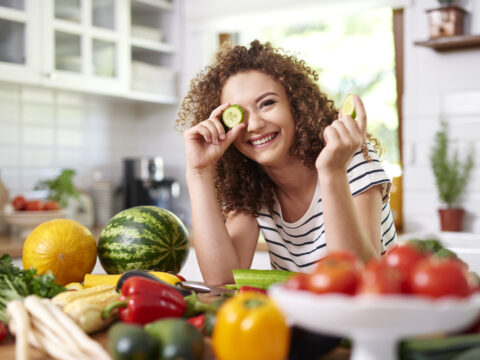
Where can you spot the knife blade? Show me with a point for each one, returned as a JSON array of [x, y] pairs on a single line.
[[201, 287]]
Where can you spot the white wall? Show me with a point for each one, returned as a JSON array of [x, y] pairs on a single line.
[[438, 85], [43, 131]]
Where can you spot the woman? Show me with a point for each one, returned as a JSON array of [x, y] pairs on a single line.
[[292, 168]]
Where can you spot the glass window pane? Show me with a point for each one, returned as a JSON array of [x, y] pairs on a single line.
[[68, 10], [68, 52], [12, 42], [14, 4], [104, 54], [103, 13]]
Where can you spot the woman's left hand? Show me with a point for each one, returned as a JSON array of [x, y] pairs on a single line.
[[343, 138]]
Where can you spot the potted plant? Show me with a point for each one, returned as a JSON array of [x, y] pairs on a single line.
[[451, 176]]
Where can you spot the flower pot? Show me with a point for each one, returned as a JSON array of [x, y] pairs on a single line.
[[451, 219]]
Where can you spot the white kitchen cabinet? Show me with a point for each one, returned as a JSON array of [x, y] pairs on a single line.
[[122, 48]]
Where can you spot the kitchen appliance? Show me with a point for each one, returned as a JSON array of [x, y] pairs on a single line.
[[144, 183]]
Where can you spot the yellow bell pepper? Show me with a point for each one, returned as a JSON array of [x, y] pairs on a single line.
[[250, 326]]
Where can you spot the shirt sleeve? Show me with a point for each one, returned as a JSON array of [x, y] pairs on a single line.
[[362, 174]]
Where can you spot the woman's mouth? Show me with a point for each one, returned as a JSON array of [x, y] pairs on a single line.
[[263, 140]]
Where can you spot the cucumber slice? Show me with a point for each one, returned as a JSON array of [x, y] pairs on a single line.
[[232, 115], [348, 107]]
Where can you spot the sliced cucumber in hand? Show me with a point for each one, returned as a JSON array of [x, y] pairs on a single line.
[[232, 116], [348, 107]]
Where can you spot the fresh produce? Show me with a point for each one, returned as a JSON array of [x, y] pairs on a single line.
[[162, 277], [348, 107], [19, 203], [62, 246], [131, 342], [440, 348], [380, 278], [143, 238], [232, 115], [86, 306], [3, 331], [91, 280], [15, 284], [203, 322], [261, 279], [338, 272], [439, 277], [144, 300], [45, 326], [178, 339], [404, 258], [250, 326]]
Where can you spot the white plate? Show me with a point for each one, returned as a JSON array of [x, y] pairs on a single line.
[[375, 323]]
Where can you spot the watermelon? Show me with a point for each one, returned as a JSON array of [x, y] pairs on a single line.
[[143, 238]]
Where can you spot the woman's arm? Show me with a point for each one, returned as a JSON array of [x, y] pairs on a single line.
[[351, 223], [219, 250]]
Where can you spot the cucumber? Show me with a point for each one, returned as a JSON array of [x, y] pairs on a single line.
[[438, 348], [348, 107], [261, 279], [232, 116]]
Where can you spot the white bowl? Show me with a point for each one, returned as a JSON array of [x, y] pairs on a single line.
[[375, 323]]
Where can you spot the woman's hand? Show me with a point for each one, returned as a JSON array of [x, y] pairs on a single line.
[[206, 142], [343, 138]]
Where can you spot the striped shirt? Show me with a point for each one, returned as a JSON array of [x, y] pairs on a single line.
[[298, 246]]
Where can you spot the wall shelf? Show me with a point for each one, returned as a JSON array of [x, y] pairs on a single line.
[[451, 43]]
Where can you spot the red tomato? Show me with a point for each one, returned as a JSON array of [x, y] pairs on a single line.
[[380, 278], [335, 273], [436, 278], [34, 205], [51, 205], [19, 202], [404, 258], [3, 331], [297, 282]]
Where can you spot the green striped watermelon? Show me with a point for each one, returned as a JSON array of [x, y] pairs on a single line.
[[143, 238]]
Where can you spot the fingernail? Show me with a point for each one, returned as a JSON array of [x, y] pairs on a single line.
[[222, 136]]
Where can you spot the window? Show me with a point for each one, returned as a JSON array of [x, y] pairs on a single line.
[[352, 53]]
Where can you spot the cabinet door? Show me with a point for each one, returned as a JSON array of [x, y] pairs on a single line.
[[85, 47], [19, 41]]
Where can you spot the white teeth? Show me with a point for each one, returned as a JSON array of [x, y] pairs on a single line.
[[263, 140]]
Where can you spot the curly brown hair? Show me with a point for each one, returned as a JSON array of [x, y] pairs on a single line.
[[241, 184]]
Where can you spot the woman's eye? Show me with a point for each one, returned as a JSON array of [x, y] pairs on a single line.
[[267, 103]]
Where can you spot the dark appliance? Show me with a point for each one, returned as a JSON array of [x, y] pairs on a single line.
[[145, 184]]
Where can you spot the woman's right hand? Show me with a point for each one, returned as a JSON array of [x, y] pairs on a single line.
[[206, 142]]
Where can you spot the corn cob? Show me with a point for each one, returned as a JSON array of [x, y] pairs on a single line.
[[66, 297], [87, 311], [91, 280]]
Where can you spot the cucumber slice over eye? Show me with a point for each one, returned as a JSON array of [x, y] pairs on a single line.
[[232, 115], [348, 107]]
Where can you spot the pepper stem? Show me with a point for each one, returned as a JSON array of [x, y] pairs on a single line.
[[254, 303], [112, 306]]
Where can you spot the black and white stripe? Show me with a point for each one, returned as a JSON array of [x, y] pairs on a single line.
[[298, 246]]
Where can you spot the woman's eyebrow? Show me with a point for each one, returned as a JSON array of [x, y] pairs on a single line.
[[265, 95]]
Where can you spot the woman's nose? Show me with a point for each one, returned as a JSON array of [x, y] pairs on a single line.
[[254, 122]]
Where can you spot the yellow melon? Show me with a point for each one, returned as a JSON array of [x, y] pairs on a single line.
[[62, 246]]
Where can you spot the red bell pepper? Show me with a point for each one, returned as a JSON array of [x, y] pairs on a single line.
[[144, 300], [245, 288]]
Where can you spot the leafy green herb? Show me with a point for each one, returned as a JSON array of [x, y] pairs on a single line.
[[451, 174], [16, 283], [61, 188]]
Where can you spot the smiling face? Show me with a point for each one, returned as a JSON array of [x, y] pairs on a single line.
[[270, 129]]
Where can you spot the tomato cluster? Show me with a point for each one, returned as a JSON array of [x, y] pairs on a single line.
[[406, 269], [19, 203]]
